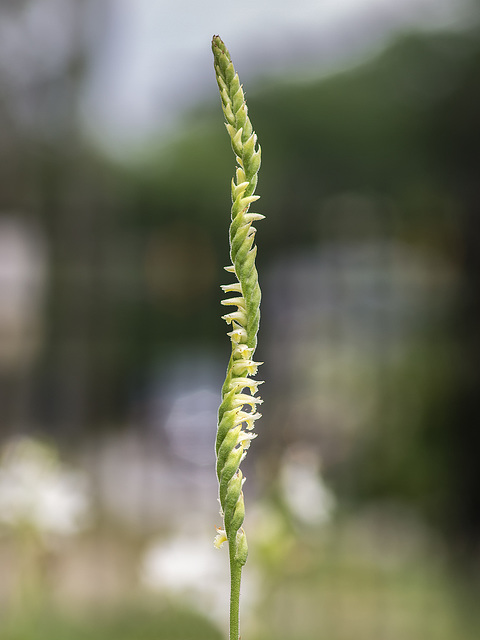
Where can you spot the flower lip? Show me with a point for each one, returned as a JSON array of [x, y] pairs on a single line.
[[243, 350], [247, 418], [220, 538], [242, 383], [235, 287], [238, 335], [238, 301], [239, 316], [245, 438], [246, 365], [242, 399]]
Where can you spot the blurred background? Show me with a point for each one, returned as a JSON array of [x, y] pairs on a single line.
[[363, 490]]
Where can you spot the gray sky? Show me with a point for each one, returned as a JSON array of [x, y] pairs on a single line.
[[155, 59]]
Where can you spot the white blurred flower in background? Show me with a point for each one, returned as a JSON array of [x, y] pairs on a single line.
[[304, 492], [38, 493], [187, 566]]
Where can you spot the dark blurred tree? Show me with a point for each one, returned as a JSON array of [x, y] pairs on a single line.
[[50, 179], [455, 139]]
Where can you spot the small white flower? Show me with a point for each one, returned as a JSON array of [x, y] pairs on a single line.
[[245, 438], [235, 287], [238, 302], [241, 399], [246, 365], [247, 418], [241, 350], [237, 316], [238, 335], [245, 383]]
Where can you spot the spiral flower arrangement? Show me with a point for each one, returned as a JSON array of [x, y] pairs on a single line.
[[238, 410]]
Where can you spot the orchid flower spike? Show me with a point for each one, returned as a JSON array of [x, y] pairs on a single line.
[[237, 412]]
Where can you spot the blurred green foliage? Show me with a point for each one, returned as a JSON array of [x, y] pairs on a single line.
[[127, 624], [361, 578]]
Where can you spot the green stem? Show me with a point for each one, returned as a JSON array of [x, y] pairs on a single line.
[[235, 579]]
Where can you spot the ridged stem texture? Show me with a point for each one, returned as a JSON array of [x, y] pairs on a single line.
[[238, 410]]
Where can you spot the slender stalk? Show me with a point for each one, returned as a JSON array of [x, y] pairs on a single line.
[[235, 580], [238, 410]]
